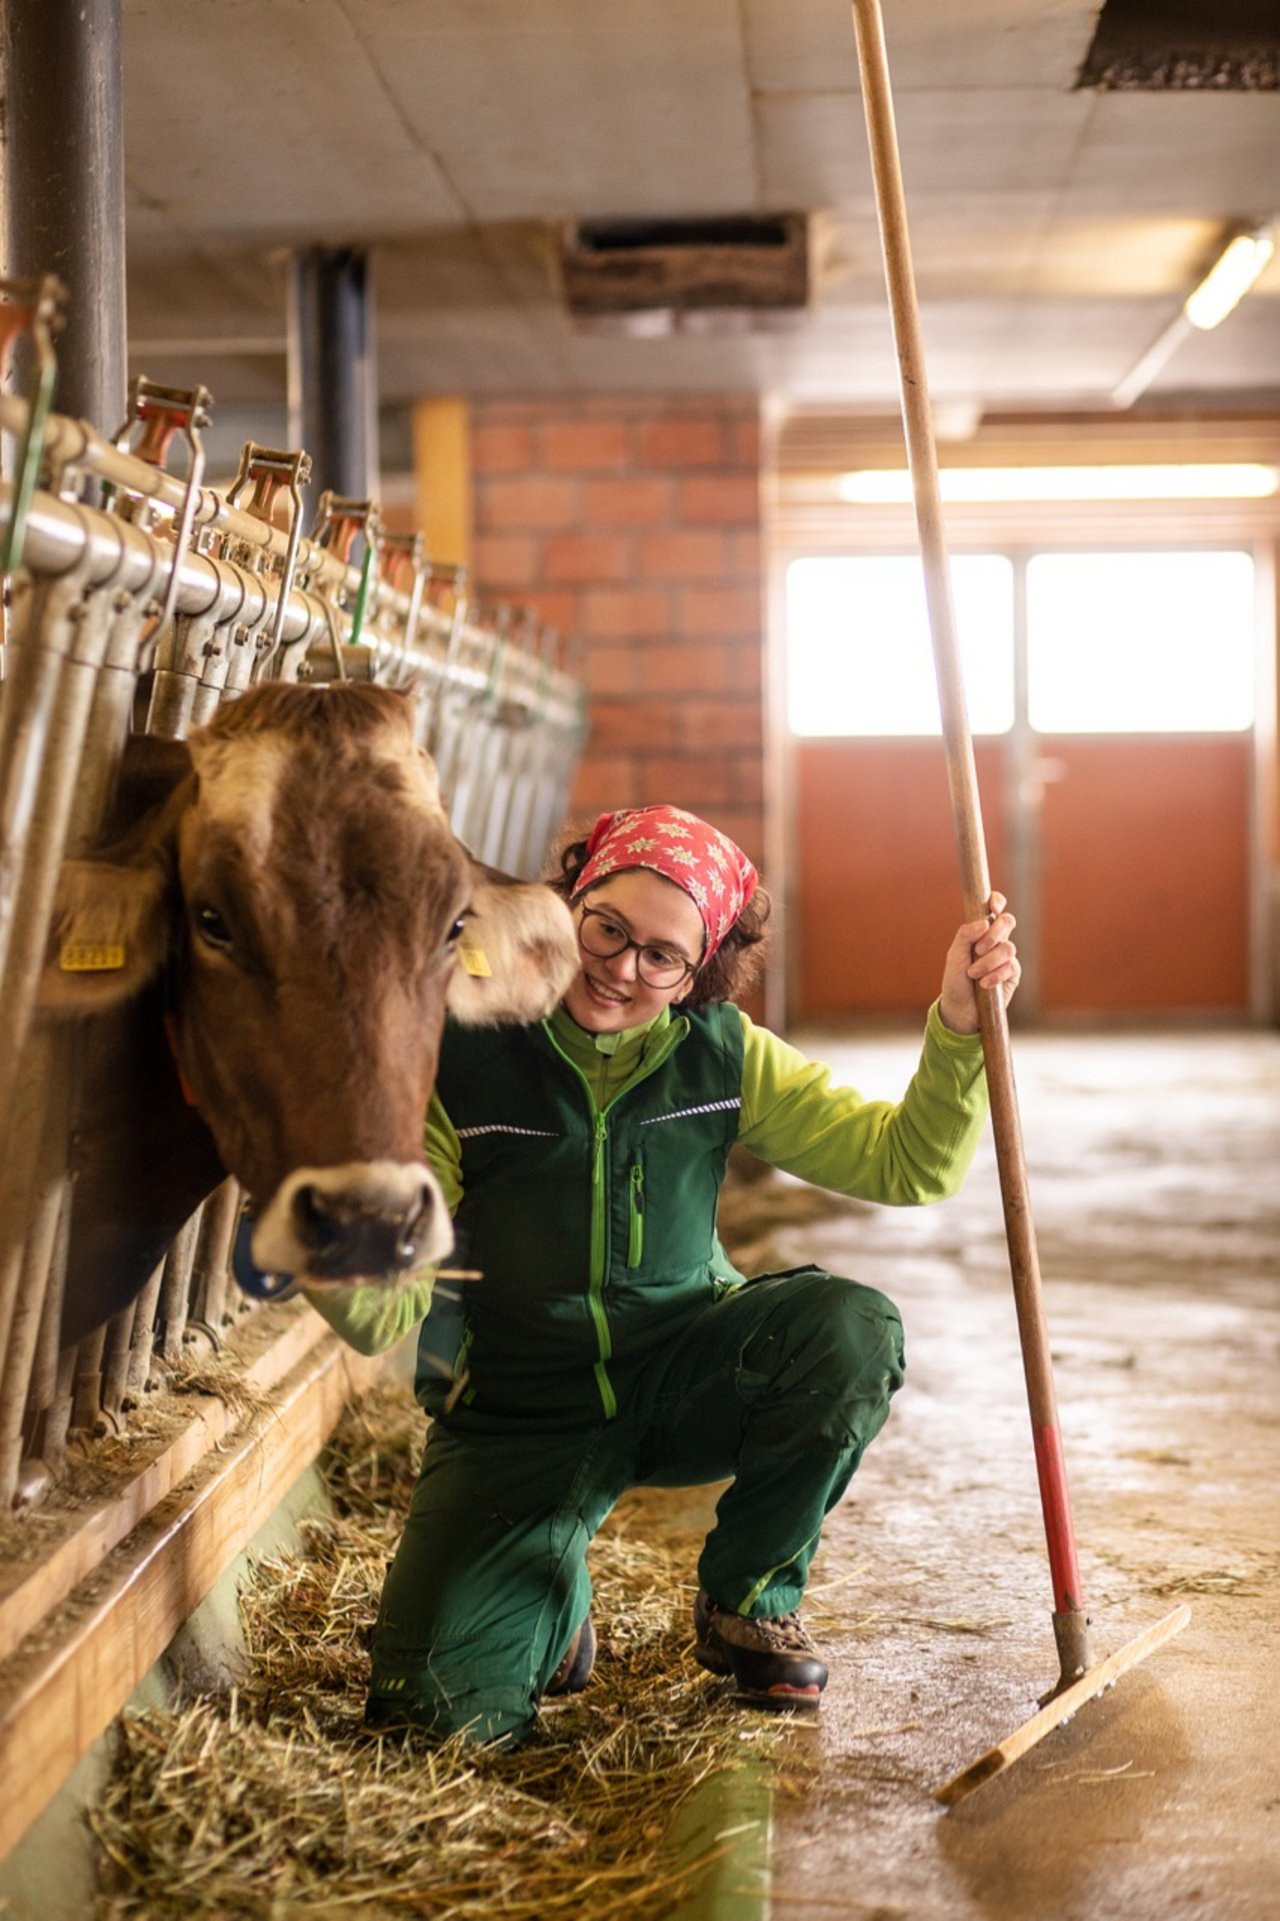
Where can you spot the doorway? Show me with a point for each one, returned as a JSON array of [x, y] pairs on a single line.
[[1111, 695]]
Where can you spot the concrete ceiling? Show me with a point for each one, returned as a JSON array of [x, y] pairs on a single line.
[[1055, 231]]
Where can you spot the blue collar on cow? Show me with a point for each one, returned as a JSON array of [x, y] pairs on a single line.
[[250, 1278]]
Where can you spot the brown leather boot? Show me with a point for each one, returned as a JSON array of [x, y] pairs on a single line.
[[772, 1660], [579, 1659]]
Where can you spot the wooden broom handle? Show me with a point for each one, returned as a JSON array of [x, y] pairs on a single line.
[[962, 780]]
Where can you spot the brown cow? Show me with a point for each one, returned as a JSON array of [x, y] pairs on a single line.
[[272, 937]]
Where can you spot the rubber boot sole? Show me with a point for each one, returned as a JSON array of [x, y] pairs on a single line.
[[774, 1700]]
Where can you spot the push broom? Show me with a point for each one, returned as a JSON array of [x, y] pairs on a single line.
[[1080, 1678]]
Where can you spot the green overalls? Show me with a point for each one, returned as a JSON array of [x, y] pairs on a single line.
[[612, 1344]]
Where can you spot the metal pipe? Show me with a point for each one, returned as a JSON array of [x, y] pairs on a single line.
[[54, 1423], [332, 377], [32, 1203], [19, 1315], [110, 719], [86, 1387], [175, 1289], [62, 535], [45, 1372], [31, 681], [142, 1340], [64, 182], [75, 630], [209, 1274], [115, 1368], [74, 448]]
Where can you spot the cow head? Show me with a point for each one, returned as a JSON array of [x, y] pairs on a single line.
[[290, 874]]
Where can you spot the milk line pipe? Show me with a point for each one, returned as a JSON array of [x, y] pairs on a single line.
[[74, 446], [60, 533]]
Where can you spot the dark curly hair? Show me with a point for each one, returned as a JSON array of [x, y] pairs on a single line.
[[736, 961]]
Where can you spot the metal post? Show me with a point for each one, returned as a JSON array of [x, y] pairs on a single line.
[[64, 184], [332, 371]]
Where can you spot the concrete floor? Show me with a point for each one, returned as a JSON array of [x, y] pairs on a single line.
[[1155, 1172]]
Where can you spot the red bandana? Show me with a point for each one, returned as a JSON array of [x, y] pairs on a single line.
[[714, 873]]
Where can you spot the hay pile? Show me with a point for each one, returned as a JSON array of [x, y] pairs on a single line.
[[275, 1800]]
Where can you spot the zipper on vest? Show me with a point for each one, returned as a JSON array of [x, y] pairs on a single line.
[[463, 1355], [600, 1203], [460, 1388], [635, 1236], [599, 1267]]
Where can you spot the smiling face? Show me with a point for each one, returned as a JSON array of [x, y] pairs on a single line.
[[608, 994]]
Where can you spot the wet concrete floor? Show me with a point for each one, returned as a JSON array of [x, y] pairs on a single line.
[[1155, 1178]]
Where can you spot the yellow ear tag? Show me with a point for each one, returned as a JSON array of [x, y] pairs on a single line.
[[476, 962], [90, 957]]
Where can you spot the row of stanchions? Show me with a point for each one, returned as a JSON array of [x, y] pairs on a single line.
[[138, 598]]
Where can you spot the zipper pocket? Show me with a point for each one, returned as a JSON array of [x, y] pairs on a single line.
[[635, 1235]]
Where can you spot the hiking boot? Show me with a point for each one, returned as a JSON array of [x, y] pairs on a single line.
[[773, 1662], [574, 1670]]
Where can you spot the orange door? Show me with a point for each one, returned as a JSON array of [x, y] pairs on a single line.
[[877, 893], [1144, 875], [1138, 849], [1120, 835]]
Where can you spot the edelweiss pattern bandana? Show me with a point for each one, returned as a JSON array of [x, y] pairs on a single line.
[[714, 873]]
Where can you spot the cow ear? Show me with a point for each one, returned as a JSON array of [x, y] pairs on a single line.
[[151, 770], [517, 955], [108, 935]]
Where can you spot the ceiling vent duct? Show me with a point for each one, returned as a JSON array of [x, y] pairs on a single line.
[[1171, 46], [733, 268]]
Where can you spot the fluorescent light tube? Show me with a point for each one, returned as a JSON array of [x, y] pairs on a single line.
[[880, 487], [1229, 280]]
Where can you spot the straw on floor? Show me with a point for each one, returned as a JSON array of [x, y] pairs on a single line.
[[274, 1799]]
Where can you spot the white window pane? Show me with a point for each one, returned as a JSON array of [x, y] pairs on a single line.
[[1140, 642], [859, 656]]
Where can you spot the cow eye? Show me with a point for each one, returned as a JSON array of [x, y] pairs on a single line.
[[456, 932], [213, 930]]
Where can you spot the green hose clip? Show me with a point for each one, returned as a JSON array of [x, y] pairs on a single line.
[[40, 307], [362, 591]]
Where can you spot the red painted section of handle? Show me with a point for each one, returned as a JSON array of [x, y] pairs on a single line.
[[1056, 1505]]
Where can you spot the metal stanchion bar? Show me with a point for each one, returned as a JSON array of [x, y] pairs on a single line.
[[175, 1290], [64, 191], [142, 1340], [60, 530], [209, 1274]]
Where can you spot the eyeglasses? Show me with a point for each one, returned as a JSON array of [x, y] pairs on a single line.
[[657, 966]]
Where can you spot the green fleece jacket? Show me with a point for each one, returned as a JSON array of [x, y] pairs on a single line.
[[901, 1153]]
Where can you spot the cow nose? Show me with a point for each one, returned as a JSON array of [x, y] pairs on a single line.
[[345, 1234]]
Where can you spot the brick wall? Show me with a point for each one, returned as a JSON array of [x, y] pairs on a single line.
[[633, 526]]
